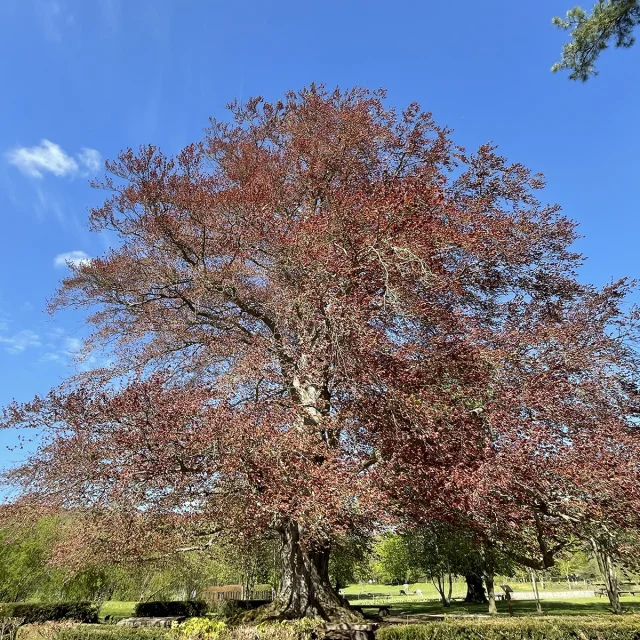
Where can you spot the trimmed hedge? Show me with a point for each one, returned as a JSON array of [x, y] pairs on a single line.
[[167, 608], [100, 632], [202, 629], [51, 611], [549, 628]]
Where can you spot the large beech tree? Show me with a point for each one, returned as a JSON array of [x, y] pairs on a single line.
[[313, 321]]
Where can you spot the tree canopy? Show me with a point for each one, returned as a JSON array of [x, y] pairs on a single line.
[[325, 318], [591, 33]]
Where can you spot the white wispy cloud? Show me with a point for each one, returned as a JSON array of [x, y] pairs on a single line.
[[63, 348], [90, 159], [18, 342], [49, 157], [66, 350], [74, 258]]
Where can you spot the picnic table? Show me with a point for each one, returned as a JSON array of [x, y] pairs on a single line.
[[506, 595], [631, 591]]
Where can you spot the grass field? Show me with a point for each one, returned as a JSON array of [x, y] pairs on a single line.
[[459, 588], [429, 604], [401, 607], [573, 607], [117, 609], [428, 590]]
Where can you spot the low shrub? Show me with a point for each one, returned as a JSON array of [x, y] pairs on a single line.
[[550, 628], [202, 629], [304, 629], [229, 609], [169, 608], [199, 629], [54, 611], [46, 630], [9, 628], [285, 630], [108, 632], [224, 609]]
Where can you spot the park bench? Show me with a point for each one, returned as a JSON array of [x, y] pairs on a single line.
[[507, 592], [383, 609]]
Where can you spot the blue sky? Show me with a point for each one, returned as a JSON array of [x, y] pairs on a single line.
[[82, 79]]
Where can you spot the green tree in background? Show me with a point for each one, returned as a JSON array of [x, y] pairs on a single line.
[[392, 561], [350, 560], [30, 567], [24, 557], [441, 554], [591, 33]]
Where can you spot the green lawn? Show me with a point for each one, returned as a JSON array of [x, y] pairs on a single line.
[[428, 590], [573, 607], [401, 606], [459, 588], [117, 609]]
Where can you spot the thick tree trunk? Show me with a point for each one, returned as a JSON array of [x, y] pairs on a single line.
[[475, 589], [491, 595], [304, 590]]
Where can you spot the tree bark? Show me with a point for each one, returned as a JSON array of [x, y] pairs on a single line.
[[304, 590], [440, 584], [475, 589], [608, 571], [491, 595], [536, 594]]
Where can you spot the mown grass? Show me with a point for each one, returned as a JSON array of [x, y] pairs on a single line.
[[117, 609], [405, 607], [572, 607], [459, 588]]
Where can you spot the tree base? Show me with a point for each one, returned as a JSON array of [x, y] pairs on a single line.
[[279, 610], [475, 589], [305, 590]]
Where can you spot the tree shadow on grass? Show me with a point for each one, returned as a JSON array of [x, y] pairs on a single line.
[[576, 607]]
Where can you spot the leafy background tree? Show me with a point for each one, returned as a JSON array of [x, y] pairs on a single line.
[[24, 560]]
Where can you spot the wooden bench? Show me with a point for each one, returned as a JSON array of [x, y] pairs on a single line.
[[383, 610]]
